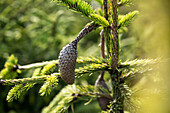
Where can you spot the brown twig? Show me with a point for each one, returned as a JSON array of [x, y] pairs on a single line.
[[105, 9], [85, 31]]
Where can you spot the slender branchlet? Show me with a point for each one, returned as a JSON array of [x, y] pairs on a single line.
[[23, 81], [106, 29], [40, 79], [80, 60], [102, 44], [105, 9], [88, 28], [100, 82], [114, 40]]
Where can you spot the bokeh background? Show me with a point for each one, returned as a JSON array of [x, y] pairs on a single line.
[[35, 31]]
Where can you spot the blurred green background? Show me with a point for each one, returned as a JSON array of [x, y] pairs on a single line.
[[35, 31]]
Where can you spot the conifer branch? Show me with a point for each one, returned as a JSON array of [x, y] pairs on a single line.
[[78, 6], [116, 105], [105, 9], [85, 9], [37, 65], [121, 3], [40, 79], [88, 28], [106, 30], [17, 90], [23, 80], [131, 69], [138, 66], [124, 2], [69, 95], [66, 92], [51, 81], [80, 60], [91, 68], [114, 40], [48, 69], [139, 63], [10, 70], [89, 90], [127, 19], [99, 20], [91, 59], [129, 99]]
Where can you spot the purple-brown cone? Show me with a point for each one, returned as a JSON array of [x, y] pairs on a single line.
[[67, 62], [103, 101]]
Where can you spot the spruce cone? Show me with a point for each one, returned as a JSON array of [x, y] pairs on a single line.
[[67, 61], [103, 101], [68, 56]]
